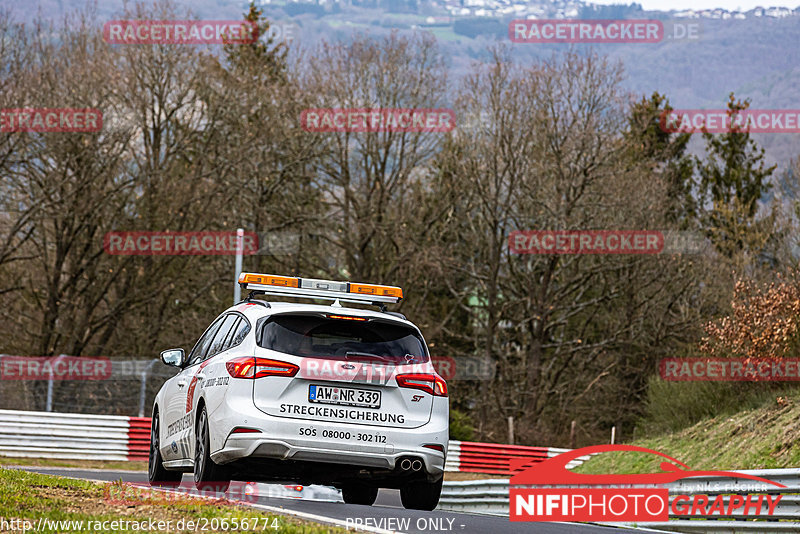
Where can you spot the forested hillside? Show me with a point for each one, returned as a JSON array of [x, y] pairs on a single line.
[[200, 138]]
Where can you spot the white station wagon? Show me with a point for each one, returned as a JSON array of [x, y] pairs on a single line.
[[306, 394]]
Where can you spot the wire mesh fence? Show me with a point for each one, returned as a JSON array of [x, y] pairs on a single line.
[[81, 385]]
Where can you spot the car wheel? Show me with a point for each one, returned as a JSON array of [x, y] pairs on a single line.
[[208, 476], [421, 495], [156, 473], [359, 494]]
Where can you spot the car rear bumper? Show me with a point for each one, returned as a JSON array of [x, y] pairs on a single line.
[[240, 448], [335, 443]]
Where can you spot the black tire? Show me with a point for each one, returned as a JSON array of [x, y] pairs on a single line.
[[421, 495], [208, 476], [360, 494], [157, 474]]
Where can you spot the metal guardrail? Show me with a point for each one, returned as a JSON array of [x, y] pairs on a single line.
[[724, 527], [491, 497], [498, 459], [715, 484], [73, 436], [108, 437], [476, 496]]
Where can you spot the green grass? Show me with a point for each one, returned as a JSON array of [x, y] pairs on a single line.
[[86, 464], [766, 437], [347, 24], [444, 33], [674, 406], [35, 497]]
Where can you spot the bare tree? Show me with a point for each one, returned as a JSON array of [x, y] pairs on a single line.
[[17, 210], [546, 152], [372, 181]]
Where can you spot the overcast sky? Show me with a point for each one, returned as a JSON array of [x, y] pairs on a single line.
[[730, 5]]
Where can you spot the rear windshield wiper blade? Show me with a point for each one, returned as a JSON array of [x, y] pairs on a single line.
[[366, 356]]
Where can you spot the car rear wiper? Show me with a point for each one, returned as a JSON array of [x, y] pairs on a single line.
[[352, 355]]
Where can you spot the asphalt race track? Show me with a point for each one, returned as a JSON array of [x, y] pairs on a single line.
[[386, 508]]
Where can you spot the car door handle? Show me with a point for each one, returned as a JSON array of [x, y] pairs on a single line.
[[181, 383]]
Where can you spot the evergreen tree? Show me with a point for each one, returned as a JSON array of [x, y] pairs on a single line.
[[263, 59], [665, 152], [731, 180]]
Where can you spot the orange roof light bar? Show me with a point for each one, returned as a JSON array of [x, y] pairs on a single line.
[[269, 280], [372, 289], [313, 288]]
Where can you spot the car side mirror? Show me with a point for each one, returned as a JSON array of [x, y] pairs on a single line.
[[173, 357]]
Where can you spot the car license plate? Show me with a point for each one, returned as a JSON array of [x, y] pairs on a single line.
[[363, 398]]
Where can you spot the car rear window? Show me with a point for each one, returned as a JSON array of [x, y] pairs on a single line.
[[317, 336]]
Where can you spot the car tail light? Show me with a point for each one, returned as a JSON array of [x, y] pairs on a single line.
[[431, 383], [249, 367]]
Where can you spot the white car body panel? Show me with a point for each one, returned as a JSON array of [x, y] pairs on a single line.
[[317, 432]]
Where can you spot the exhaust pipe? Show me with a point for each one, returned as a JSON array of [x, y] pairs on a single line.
[[405, 465], [416, 465]]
